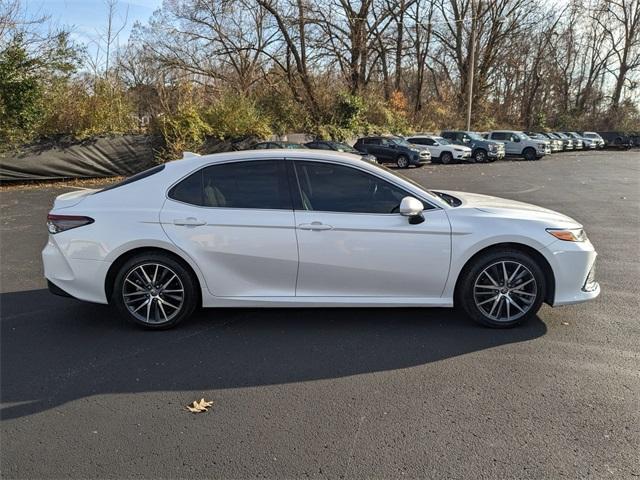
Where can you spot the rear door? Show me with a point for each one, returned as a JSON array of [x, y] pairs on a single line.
[[353, 242], [236, 221]]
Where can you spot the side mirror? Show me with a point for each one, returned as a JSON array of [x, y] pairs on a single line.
[[412, 208]]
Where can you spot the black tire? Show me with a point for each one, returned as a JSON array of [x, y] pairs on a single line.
[[169, 308], [470, 291], [529, 154], [480, 156], [402, 161], [446, 158]]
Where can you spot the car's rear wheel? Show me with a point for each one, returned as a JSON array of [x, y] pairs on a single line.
[[402, 161], [154, 291], [502, 289], [529, 154], [446, 158]]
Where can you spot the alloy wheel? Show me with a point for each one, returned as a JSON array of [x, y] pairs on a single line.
[[505, 291], [153, 293]]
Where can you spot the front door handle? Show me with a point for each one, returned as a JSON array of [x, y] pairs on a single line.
[[316, 226], [189, 222]]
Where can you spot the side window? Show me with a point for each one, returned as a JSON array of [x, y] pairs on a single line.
[[189, 190], [322, 146], [260, 184], [336, 188], [428, 141], [260, 146], [416, 141], [498, 136]]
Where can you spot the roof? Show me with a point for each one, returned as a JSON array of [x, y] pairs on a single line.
[[274, 153]]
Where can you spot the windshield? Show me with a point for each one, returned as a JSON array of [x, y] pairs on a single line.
[[524, 136], [400, 141], [474, 136], [343, 147], [441, 141]]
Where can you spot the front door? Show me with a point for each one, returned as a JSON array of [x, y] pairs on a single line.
[[236, 221], [353, 242]]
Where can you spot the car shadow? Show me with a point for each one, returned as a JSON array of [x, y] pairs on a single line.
[[55, 350]]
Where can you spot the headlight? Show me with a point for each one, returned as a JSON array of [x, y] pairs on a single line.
[[568, 234], [541, 145], [493, 147]]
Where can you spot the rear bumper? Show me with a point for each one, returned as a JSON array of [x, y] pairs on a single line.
[[78, 278]]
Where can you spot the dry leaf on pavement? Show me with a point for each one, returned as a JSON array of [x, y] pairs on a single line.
[[199, 407]]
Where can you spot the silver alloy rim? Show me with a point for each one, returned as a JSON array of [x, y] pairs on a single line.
[[480, 156], [153, 293], [403, 162], [505, 291]]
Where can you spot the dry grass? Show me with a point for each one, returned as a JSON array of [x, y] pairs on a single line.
[[72, 183]]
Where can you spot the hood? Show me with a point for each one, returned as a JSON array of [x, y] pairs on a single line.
[[70, 199], [462, 148], [512, 208]]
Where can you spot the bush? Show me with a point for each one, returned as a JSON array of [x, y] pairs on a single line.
[[234, 116]]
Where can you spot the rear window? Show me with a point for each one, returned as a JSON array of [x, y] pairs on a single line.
[[133, 178]]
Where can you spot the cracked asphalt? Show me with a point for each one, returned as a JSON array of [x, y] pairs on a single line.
[[345, 393]]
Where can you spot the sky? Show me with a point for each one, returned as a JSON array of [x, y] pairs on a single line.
[[88, 18]]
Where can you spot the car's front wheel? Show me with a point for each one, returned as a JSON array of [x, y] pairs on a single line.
[[402, 161], [480, 156], [502, 288], [530, 154], [446, 158], [154, 291]]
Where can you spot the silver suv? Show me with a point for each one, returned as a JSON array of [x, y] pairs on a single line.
[[520, 145]]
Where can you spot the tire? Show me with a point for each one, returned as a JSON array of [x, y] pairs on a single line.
[[170, 302], [446, 158], [482, 281], [480, 156], [529, 154], [402, 161]]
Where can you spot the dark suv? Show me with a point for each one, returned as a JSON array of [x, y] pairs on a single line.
[[482, 150], [390, 149]]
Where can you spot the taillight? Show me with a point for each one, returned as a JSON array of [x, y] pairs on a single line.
[[60, 223]]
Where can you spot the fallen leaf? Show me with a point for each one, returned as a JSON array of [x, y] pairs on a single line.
[[565, 323], [199, 407]]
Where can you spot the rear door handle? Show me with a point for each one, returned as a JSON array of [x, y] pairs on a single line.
[[189, 222], [317, 226]]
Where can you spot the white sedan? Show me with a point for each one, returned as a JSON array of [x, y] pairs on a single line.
[[441, 149], [287, 228]]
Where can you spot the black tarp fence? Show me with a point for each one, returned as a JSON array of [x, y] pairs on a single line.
[[106, 156]]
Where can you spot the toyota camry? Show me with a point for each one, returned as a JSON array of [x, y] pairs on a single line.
[[287, 228]]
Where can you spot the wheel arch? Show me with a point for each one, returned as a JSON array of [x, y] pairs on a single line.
[[549, 277], [125, 256]]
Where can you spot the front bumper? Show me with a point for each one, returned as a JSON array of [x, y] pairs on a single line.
[[499, 154], [573, 265], [462, 155]]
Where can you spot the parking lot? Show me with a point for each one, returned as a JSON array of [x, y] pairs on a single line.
[[344, 393]]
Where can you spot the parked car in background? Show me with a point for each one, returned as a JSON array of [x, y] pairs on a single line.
[[599, 141], [482, 150], [567, 142], [392, 149], [339, 147], [554, 145], [577, 143], [616, 139], [518, 144], [276, 144], [347, 234], [587, 143], [441, 149]]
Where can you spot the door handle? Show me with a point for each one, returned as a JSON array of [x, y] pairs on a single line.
[[189, 222], [316, 226]]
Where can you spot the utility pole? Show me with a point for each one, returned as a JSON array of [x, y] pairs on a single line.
[[471, 66]]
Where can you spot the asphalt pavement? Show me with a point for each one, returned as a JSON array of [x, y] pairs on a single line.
[[334, 393]]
